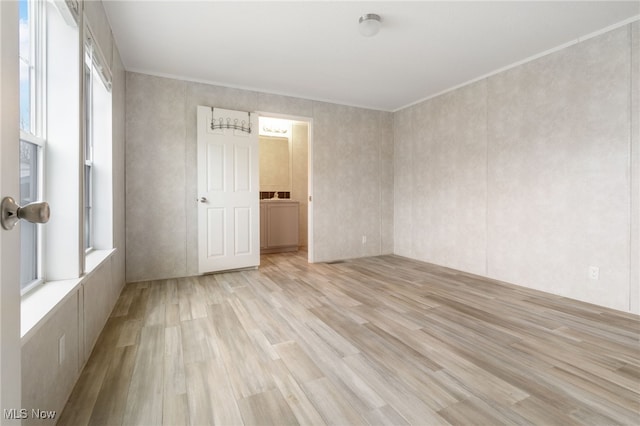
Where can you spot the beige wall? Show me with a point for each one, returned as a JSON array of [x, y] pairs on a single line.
[[525, 176], [276, 163], [352, 181], [440, 190], [47, 383], [350, 147]]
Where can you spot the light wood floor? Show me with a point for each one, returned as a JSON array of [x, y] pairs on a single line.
[[382, 340]]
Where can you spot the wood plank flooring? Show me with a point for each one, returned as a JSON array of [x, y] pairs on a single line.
[[383, 340]]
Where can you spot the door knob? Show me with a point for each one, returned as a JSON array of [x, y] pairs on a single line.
[[203, 199], [32, 212]]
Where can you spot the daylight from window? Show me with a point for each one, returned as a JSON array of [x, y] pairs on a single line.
[[29, 146], [26, 67]]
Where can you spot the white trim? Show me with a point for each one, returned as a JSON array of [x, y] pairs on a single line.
[[69, 10], [31, 138], [95, 258], [33, 284], [98, 160], [92, 49], [38, 305]]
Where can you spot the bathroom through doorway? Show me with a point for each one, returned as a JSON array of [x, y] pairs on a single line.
[[286, 183]]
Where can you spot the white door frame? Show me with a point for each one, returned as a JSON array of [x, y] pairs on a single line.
[[310, 200], [10, 351]]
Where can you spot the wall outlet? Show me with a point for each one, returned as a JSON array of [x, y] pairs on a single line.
[[364, 239], [594, 273], [61, 348]]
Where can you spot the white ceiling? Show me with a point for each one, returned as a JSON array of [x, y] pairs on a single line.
[[313, 50]]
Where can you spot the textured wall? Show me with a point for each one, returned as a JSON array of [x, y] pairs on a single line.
[[449, 194], [155, 178], [349, 148], [276, 163], [525, 176], [440, 180], [559, 175], [348, 181]]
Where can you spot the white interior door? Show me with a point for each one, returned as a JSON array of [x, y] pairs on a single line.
[[10, 376], [228, 190]]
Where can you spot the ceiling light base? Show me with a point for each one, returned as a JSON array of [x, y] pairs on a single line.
[[369, 24]]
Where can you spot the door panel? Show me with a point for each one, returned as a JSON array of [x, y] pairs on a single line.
[[216, 236], [228, 190], [242, 170], [215, 167], [242, 230]]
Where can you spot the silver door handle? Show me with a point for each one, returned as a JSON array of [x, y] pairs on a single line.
[[32, 212], [203, 199]]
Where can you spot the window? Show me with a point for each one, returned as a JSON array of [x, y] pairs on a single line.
[[52, 79], [32, 135], [88, 151], [49, 138], [26, 65], [97, 150]]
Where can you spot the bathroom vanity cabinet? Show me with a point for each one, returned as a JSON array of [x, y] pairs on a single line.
[[278, 226]]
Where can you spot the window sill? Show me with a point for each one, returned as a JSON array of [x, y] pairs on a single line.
[[95, 258], [37, 305]]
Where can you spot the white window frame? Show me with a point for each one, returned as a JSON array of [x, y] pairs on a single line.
[[87, 184], [100, 180], [36, 134], [39, 251]]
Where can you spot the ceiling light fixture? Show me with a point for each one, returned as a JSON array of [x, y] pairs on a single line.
[[369, 24]]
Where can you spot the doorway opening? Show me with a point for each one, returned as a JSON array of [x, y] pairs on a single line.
[[286, 183]]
